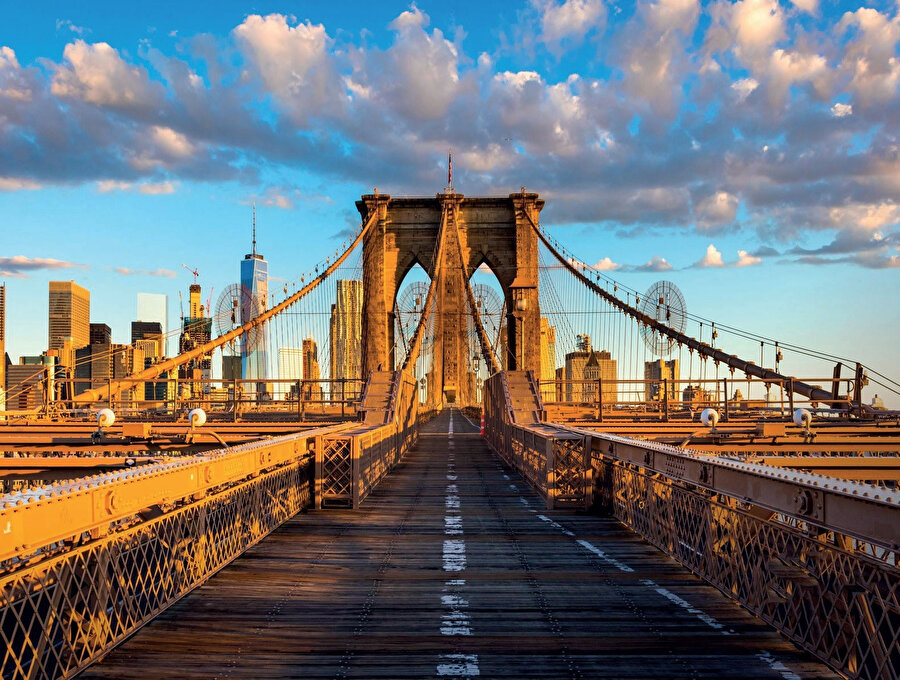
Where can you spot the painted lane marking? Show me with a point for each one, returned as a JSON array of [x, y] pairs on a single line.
[[452, 488], [555, 525], [603, 556], [451, 478], [513, 487], [453, 525], [451, 503], [455, 621], [506, 477], [454, 555], [687, 606], [777, 666], [458, 665], [525, 501]]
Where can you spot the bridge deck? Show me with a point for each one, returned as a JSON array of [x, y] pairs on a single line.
[[454, 569]]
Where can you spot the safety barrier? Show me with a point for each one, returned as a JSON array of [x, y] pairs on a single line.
[[814, 556], [88, 562], [350, 463], [556, 461]]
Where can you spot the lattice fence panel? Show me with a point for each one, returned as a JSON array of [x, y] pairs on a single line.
[[841, 604], [59, 615]]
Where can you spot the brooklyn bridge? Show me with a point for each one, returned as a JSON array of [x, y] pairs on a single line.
[[674, 501]]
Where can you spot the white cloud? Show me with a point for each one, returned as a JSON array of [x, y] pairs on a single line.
[[107, 186], [871, 58], [164, 273], [744, 87], [655, 264], [293, 61], [869, 217], [606, 265], [572, 20], [717, 209], [18, 266], [757, 25], [713, 258], [97, 75], [12, 81], [746, 260], [156, 188], [808, 6], [18, 184], [840, 110], [170, 142]]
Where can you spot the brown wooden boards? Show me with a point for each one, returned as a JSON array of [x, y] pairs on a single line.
[[454, 569]]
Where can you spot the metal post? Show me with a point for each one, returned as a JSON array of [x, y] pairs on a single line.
[[791, 395], [666, 400], [600, 399], [725, 391]]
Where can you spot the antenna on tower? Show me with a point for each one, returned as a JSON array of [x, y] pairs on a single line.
[[450, 169], [254, 227]]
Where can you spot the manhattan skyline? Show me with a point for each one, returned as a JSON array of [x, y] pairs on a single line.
[[753, 163]]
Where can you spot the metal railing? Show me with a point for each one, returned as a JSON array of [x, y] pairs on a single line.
[[814, 556], [88, 562], [349, 464], [666, 399]]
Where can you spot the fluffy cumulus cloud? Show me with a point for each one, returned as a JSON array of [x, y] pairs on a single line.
[[772, 119], [712, 258]]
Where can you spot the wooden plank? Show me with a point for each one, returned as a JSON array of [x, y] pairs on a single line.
[[381, 593]]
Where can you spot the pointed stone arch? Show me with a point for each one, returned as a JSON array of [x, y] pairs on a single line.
[[493, 230]]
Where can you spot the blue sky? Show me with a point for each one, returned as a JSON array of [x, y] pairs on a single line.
[[746, 150]]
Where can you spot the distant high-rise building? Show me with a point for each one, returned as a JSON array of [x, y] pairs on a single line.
[[290, 367], [154, 307], [312, 390], [196, 331], [149, 335], [346, 332], [100, 334], [231, 367], [255, 279], [69, 314], [548, 359], [600, 368], [24, 386], [660, 370], [2, 347], [586, 364]]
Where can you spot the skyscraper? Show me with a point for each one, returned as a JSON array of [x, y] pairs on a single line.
[[312, 390], [101, 334], [290, 367], [255, 279], [660, 370], [548, 359], [69, 314], [153, 307], [585, 364], [346, 332]]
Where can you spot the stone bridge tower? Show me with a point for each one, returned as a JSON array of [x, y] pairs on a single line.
[[493, 231]]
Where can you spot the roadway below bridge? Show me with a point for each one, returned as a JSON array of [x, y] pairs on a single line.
[[454, 569]]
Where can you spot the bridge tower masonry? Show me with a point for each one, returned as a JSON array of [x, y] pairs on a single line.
[[489, 230]]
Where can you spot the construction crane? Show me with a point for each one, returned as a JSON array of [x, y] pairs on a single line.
[[192, 271]]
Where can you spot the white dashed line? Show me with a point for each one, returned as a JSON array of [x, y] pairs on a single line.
[[458, 666], [687, 606], [452, 525], [555, 525], [603, 556], [777, 666]]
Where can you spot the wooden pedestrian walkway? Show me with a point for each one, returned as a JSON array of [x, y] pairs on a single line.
[[453, 569]]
